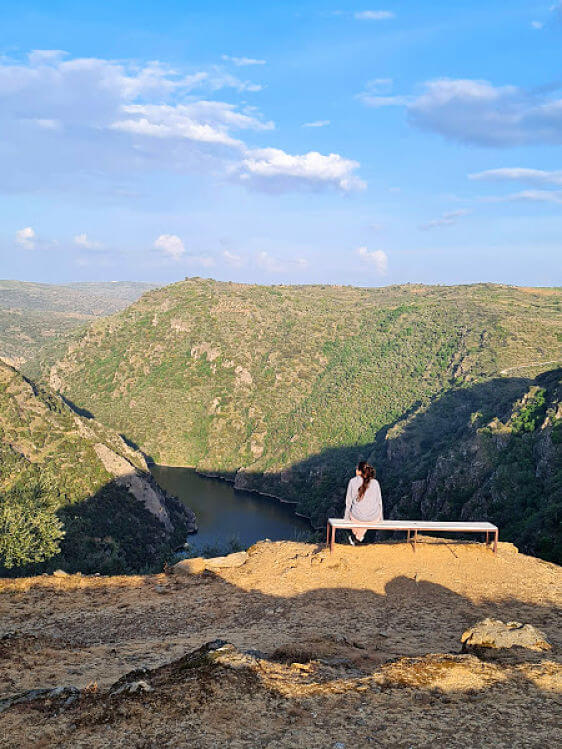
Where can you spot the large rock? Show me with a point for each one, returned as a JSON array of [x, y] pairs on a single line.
[[230, 560], [493, 633]]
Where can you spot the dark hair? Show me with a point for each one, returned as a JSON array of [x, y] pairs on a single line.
[[368, 472]]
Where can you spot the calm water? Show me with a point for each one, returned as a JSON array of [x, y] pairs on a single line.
[[224, 513]]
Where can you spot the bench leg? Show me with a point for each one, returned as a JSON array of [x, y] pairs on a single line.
[[408, 537], [487, 538], [332, 539], [496, 535], [327, 534], [415, 538]]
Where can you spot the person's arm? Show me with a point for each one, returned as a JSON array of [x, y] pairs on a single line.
[[380, 514], [348, 500]]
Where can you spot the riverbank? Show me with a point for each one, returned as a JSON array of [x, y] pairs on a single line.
[[230, 518]]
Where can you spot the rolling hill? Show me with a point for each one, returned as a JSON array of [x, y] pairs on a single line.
[[72, 492], [35, 314], [282, 388]]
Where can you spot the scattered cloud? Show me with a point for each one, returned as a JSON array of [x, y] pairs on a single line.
[[529, 196], [276, 170], [171, 245], [378, 258], [82, 240], [447, 219], [272, 264], [520, 174], [317, 123], [374, 15], [232, 259], [267, 262], [26, 238], [202, 121], [243, 61], [477, 112], [537, 25], [119, 119], [378, 93]]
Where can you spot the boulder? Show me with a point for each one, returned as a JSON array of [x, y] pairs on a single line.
[[190, 566], [60, 573], [493, 633], [230, 560]]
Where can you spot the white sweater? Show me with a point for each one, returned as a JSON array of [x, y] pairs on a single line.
[[368, 509]]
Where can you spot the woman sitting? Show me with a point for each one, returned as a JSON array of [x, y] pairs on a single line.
[[363, 501]]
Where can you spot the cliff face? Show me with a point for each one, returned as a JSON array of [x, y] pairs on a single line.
[[73, 492], [296, 648], [493, 452]]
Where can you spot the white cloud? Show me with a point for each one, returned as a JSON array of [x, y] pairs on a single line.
[[317, 123], [378, 258], [231, 258], [267, 262], [243, 61], [377, 93], [476, 111], [537, 25], [203, 121], [171, 245], [272, 264], [82, 240], [281, 170], [529, 196], [119, 120], [374, 15], [26, 238], [447, 219], [520, 174]]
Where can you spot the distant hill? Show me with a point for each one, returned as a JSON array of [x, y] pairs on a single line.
[[283, 388], [34, 314], [72, 492]]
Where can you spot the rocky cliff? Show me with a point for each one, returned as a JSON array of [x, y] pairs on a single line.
[[72, 491]]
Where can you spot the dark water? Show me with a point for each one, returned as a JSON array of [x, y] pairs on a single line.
[[225, 514]]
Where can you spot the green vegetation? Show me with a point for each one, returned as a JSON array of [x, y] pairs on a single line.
[[59, 504], [285, 387], [33, 315]]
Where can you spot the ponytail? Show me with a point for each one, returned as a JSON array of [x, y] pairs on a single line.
[[367, 472]]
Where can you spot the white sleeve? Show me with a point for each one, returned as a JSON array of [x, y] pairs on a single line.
[[380, 515], [348, 499]]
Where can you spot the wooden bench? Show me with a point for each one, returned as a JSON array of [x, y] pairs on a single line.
[[412, 526]]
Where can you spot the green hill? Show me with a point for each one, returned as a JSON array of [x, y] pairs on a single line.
[[35, 314], [72, 492], [282, 388]]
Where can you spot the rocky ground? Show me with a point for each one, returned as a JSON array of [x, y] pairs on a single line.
[[296, 648]]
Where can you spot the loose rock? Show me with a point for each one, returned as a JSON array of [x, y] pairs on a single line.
[[493, 633]]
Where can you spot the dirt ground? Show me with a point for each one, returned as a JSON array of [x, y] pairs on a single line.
[[357, 648]]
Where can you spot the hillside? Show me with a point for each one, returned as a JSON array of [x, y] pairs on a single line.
[[355, 649], [33, 315], [73, 494], [283, 388]]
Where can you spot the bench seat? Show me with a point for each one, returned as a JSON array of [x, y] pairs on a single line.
[[413, 526]]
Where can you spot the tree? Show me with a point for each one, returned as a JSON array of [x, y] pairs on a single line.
[[30, 531]]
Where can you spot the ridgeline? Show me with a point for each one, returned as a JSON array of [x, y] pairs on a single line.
[[283, 388]]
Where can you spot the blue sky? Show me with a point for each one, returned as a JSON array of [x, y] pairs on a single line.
[[287, 142]]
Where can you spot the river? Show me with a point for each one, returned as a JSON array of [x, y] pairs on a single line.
[[225, 515]]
